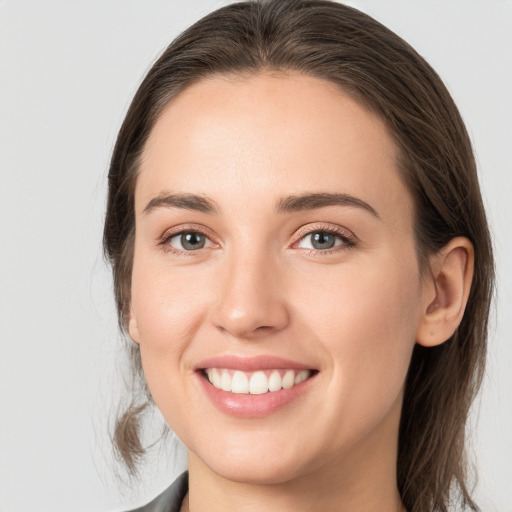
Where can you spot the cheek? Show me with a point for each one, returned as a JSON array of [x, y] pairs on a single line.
[[366, 321], [168, 311], [168, 314], [167, 308], [388, 306]]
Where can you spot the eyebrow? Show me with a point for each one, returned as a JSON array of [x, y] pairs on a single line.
[[288, 204], [320, 200], [185, 201]]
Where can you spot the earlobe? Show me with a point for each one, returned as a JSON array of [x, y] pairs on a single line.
[[446, 292], [133, 329]]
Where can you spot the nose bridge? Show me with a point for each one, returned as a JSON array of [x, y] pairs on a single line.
[[250, 298]]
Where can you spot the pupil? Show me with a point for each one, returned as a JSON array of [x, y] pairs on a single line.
[[192, 241], [323, 240]]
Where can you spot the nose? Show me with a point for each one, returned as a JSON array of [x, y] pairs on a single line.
[[251, 301]]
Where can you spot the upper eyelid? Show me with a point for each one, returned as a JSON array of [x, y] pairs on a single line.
[[323, 227], [184, 228]]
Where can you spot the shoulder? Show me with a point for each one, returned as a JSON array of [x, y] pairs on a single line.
[[170, 500]]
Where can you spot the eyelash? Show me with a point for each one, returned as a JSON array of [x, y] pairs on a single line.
[[347, 238], [167, 236]]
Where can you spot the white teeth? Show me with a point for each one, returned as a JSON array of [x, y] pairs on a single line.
[[302, 376], [275, 383], [288, 379], [258, 383], [239, 383], [255, 383], [217, 381], [225, 381]]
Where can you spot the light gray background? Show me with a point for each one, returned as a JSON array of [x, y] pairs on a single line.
[[68, 70]]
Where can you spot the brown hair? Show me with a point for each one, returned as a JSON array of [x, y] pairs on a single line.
[[365, 59]]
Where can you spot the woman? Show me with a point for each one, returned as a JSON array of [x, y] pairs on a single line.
[[302, 262]]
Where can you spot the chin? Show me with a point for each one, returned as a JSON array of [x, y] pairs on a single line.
[[256, 473], [256, 466]]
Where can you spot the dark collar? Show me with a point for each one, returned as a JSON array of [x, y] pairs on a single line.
[[171, 499]]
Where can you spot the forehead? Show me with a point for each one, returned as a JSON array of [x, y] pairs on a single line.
[[269, 135]]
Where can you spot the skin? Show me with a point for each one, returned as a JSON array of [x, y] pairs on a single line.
[[259, 287]]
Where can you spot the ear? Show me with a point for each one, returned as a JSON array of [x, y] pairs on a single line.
[[446, 292], [133, 329]]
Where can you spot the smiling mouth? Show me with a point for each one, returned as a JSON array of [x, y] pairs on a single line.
[[257, 382]]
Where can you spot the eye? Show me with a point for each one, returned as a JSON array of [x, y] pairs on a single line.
[[320, 240], [323, 240], [188, 241]]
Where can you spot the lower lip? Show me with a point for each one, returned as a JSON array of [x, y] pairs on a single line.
[[252, 406]]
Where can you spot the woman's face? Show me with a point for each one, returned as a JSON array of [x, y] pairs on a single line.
[[274, 241]]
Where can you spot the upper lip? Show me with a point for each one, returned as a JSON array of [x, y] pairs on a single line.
[[262, 362]]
